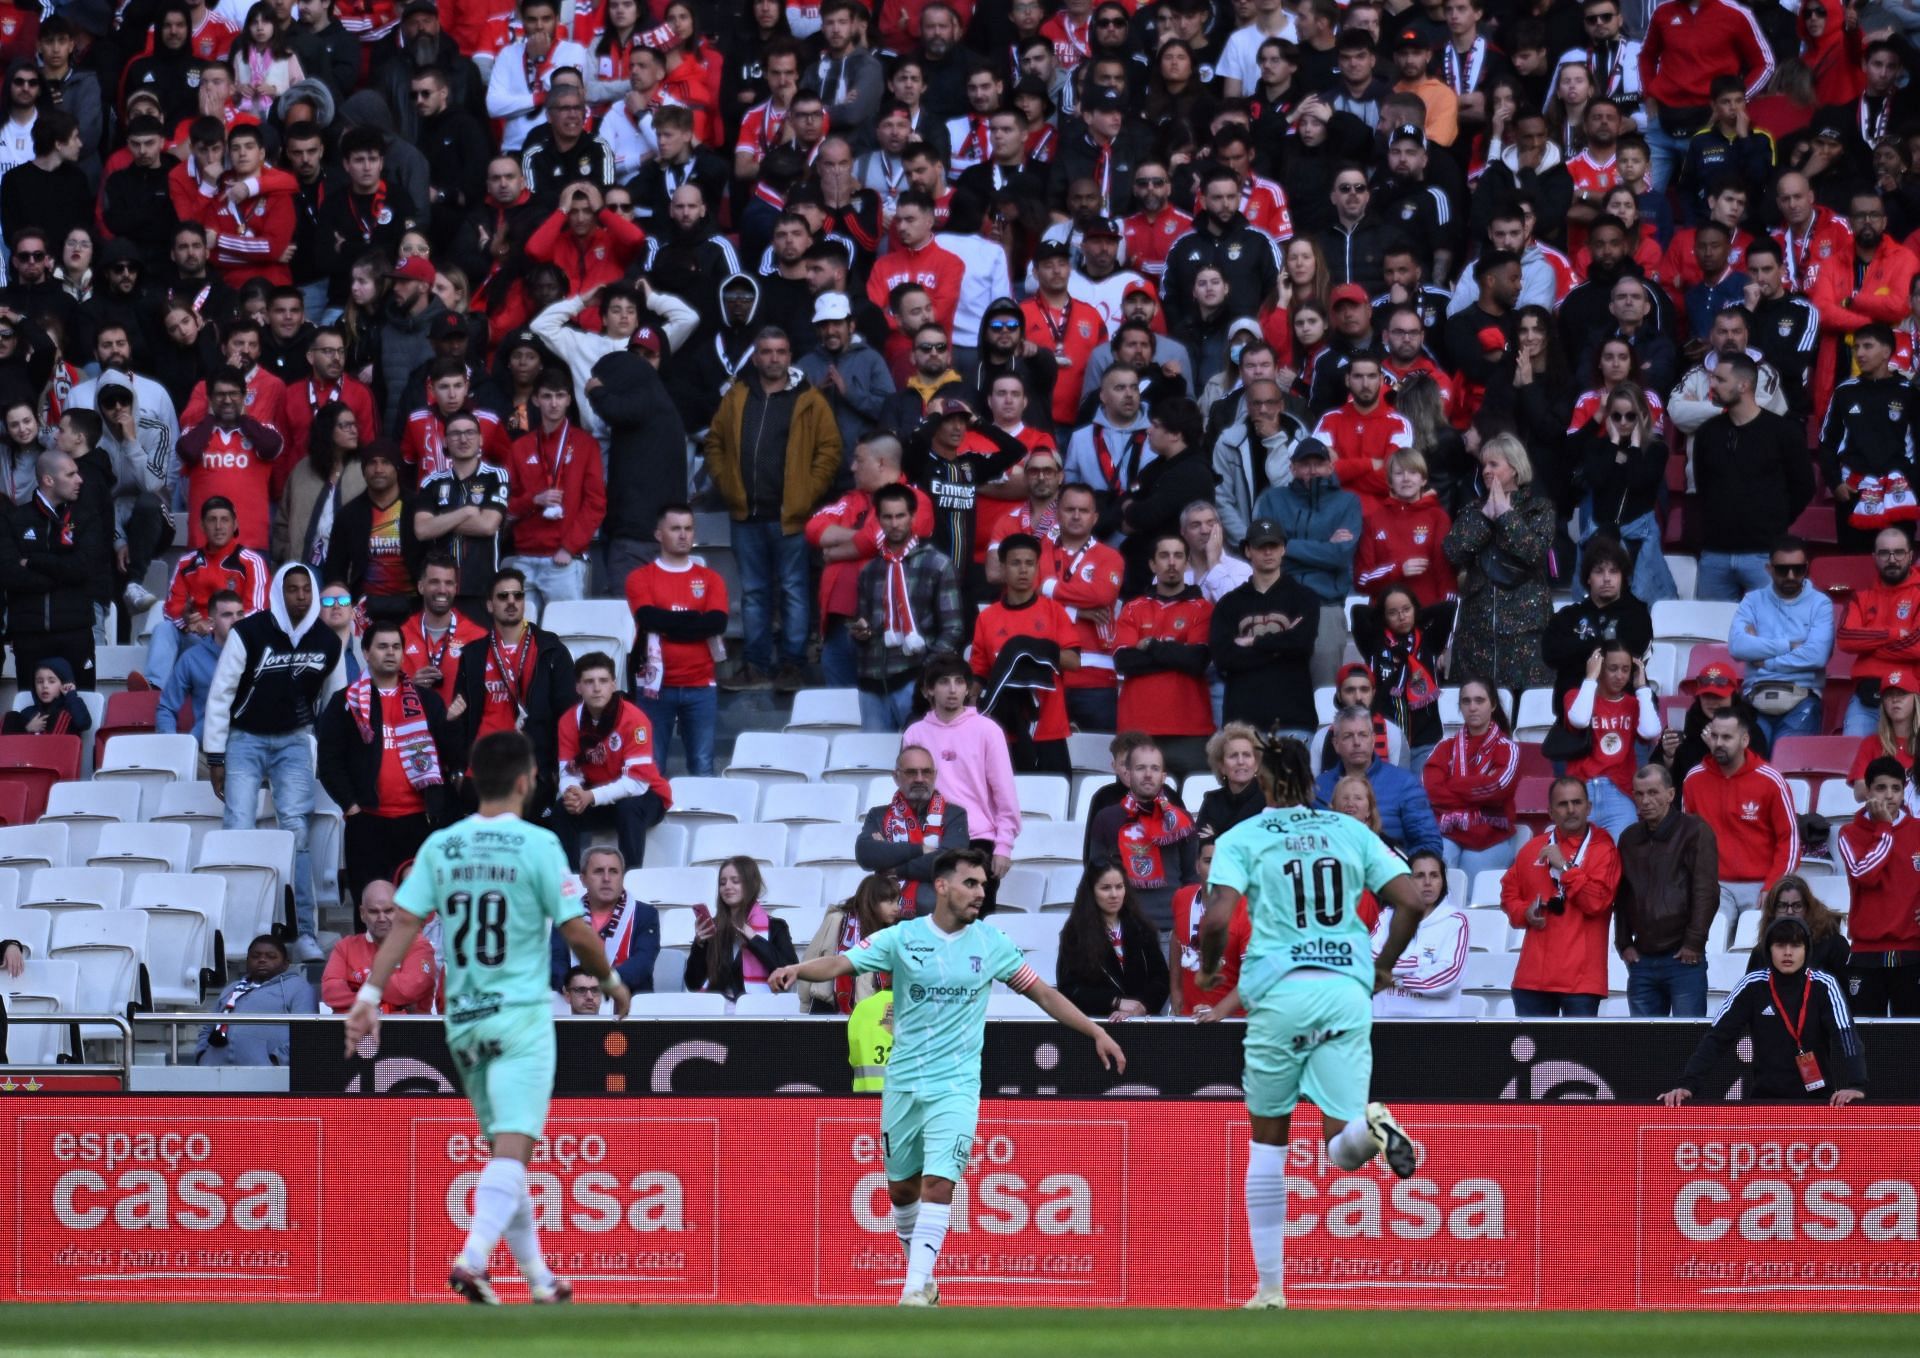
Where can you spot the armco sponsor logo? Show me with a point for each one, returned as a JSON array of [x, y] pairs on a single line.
[[1463, 1231], [132, 1207], [1041, 1214], [1725, 1213], [628, 1206]]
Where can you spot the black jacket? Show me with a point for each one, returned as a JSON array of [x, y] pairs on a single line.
[[1268, 683], [456, 148], [1247, 258], [548, 695], [1829, 1034], [136, 207], [1753, 481], [1622, 490], [1869, 429], [349, 767], [1222, 809], [647, 450], [50, 574], [1578, 629], [549, 169], [1360, 255], [350, 550], [1167, 486], [1786, 331], [1079, 158], [775, 950], [1140, 973]]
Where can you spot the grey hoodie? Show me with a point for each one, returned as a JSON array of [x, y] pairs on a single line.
[[143, 465]]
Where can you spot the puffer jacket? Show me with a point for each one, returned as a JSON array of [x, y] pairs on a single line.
[[1239, 483], [812, 453]]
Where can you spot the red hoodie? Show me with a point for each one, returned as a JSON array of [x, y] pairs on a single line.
[[1883, 868], [1751, 814], [1397, 531], [251, 236], [602, 256], [1569, 956], [568, 460], [1835, 59]]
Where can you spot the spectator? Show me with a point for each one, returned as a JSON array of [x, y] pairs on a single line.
[[399, 333], [1024, 646], [970, 751], [1084, 576], [1406, 819], [1866, 446], [646, 451], [1189, 905], [1898, 738], [371, 545], [448, 382], [438, 633], [1233, 753], [319, 486], [874, 905], [853, 377], [679, 615], [558, 498], [1625, 465], [1365, 430], [220, 564], [268, 987], [144, 477], [520, 680], [1428, 976], [1149, 836], [1716, 689], [1112, 961], [521, 77], [1880, 628], [1784, 635], [1251, 455], [1470, 781], [1793, 897], [59, 552], [1815, 1052], [1669, 894], [1749, 808], [1179, 474], [1754, 477], [1322, 524], [1356, 689], [415, 981], [1402, 646], [1609, 613], [1880, 850], [190, 682], [462, 508], [1160, 656], [1262, 639], [772, 406], [736, 948], [629, 929], [1501, 547], [631, 319], [581, 991], [1560, 889], [902, 838], [908, 605], [1614, 705], [56, 709], [609, 775], [1401, 536], [1119, 750], [1210, 566]]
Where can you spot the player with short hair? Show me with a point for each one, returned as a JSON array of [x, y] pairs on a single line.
[[496, 882], [1307, 983], [943, 965]]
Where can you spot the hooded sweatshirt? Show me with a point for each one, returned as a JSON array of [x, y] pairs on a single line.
[[1310, 512], [275, 672], [972, 769], [1244, 476]]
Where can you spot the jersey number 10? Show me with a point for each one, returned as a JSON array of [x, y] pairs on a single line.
[[1329, 897], [487, 926]]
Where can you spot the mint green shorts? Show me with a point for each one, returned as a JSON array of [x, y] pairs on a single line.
[[1310, 1036], [929, 1134], [505, 1062]]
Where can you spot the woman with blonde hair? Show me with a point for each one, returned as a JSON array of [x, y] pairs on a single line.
[[1233, 753], [1502, 547], [1899, 734], [1353, 796], [874, 905]]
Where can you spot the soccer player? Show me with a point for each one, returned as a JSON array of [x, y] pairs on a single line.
[[496, 883], [943, 966], [1307, 983]]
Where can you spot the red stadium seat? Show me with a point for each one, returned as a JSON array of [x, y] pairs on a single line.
[[1841, 576], [1533, 764], [1816, 524], [1814, 756], [128, 713], [37, 763], [13, 804], [1705, 653], [137, 683], [1533, 797]]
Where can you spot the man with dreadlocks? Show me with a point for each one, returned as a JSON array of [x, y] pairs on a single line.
[[1307, 983]]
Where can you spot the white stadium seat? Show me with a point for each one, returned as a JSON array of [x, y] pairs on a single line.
[[1490, 970], [587, 625], [756, 1005], [29, 928], [858, 756], [166, 893], [9, 888], [676, 930], [667, 845], [1725, 969], [1836, 803], [1534, 717], [772, 757], [1686, 574], [33, 846], [766, 844], [192, 804], [1063, 884], [257, 866], [1089, 753], [1031, 933], [790, 888], [824, 846], [108, 945], [704, 801], [63, 889], [681, 1005], [839, 884], [1042, 796], [1746, 933], [1049, 844], [1021, 889], [151, 762], [151, 847], [825, 710], [1692, 620], [1195, 789], [667, 888], [1486, 889], [44, 986], [810, 803], [1488, 931], [670, 968], [1007, 1005], [803, 925], [86, 808]]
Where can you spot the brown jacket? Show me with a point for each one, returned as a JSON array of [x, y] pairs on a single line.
[[813, 451], [1669, 885]]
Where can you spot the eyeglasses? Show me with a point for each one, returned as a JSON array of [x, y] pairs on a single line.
[[1349, 188], [1789, 567], [930, 348], [1893, 551], [1158, 181], [336, 601], [329, 351], [423, 94], [1622, 416], [26, 82], [590, 988]]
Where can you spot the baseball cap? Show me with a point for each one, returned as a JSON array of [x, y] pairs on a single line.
[[1349, 292], [1830, 131], [1408, 132], [1139, 285], [949, 407], [414, 7], [1101, 226], [1309, 447], [448, 327], [1103, 99], [1408, 37], [414, 267], [1053, 249], [832, 306], [1716, 675], [1034, 87], [646, 339], [1901, 680], [1350, 669], [1265, 533]]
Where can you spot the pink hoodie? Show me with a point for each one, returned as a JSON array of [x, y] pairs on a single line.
[[973, 770]]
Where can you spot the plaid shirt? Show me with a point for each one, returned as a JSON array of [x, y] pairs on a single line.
[[933, 590]]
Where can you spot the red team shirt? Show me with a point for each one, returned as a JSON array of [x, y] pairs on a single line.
[[1148, 239], [420, 650], [626, 753], [231, 467], [502, 710], [1073, 333], [688, 664], [1043, 620], [1166, 703]]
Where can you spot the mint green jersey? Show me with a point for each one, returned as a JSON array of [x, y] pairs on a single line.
[[940, 988], [1303, 872], [497, 885]]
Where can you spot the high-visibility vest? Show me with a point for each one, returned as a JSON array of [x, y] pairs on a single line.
[[870, 1042]]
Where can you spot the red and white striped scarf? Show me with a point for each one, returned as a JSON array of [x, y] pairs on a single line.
[[412, 741]]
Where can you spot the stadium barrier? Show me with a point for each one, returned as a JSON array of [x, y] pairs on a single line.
[[1074, 1203]]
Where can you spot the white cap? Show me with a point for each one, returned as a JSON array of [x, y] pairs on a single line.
[[832, 306]]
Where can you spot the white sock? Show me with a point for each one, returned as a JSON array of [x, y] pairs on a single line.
[[929, 1234], [1267, 1211], [903, 1220], [1354, 1146], [523, 1238], [498, 1195]]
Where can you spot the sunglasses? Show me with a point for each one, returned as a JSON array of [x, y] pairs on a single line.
[[1349, 188], [336, 601], [1789, 567], [1106, 23], [504, 597], [25, 83], [1622, 416], [1600, 18], [30, 256], [1154, 182], [930, 348], [1004, 323], [123, 266]]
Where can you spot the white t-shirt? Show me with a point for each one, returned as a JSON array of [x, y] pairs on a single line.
[[1240, 59]]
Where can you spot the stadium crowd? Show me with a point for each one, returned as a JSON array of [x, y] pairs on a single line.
[[1202, 372]]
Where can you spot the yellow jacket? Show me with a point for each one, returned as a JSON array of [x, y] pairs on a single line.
[[813, 450]]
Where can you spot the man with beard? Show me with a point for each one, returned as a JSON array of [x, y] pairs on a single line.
[[1691, 404], [1221, 237], [946, 64], [455, 146], [507, 214], [1878, 628], [1150, 232], [1100, 282], [1593, 170], [1005, 349], [852, 376], [424, 48], [1867, 444], [1422, 213], [1586, 307], [686, 251], [1784, 324], [1851, 290], [1753, 475]]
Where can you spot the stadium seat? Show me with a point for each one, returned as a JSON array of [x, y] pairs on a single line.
[[13, 803], [1701, 654], [108, 945], [33, 846], [44, 986], [1664, 662], [1533, 798], [163, 893], [766, 844], [1450, 720], [810, 804], [1489, 931], [86, 809], [803, 924], [679, 1005], [1326, 703], [877, 791], [668, 888], [791, 889], [1692, 620], [1050, 844], [825, 711], [1490, 970], [1022, 889], [257, 866], [137, 849], [63, 889], [9, 888], [1746, 933], [1486, 889], [1686, 573], [1042, 796], [192, 804], [858, 756], [1195, 789], [707, 801], [1088, 752], [29, 928], [177, 943], [1083, 797], [823, 846], [1802, 792], [772, 757], [1616, 973], [1833, 890], [840, 883], [1063, 884], [670, 969], [1724, 970], [1533, 714], [756, 1005], [1843, 576], [1835, 802], [151, 761], [1814, 756], [1031, 933], [1615, 1007], [113, 666], [587, 625], [37, 763], [1457, 888]]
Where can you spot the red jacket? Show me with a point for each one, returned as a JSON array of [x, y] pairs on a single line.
[[299, 403], [1470, 785], [251, 236], [411, 990], [1361, 439], [1826, 237], [569, 460], [602, 257], [1883, 868], [939, 271], [840, 580], [1396, 531], [419, 652], [623, 764], [197, 578], [1751, 815], [1687, 46], [1088, 581], [1171, 701], [1569, 956], [1881, 626], [1844, 308], [1148, 239], [423, 443]]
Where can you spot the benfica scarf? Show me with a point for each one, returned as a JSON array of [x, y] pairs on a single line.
[[412, 741], [1119, 476], [514, 680], [901, 826], [616, 933], [1149, 828], [1405, 674], [902, 631], [594, 734]]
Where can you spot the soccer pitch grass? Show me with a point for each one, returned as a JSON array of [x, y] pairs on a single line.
[[188, 1331]]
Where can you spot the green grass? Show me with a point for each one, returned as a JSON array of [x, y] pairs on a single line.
[[825, 1332]]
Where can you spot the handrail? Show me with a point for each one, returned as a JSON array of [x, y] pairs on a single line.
[[118, 1021]]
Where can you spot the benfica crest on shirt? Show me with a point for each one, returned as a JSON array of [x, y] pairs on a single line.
[[698, 588], [1420, 535]]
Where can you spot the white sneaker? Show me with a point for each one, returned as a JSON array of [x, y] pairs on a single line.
[[138, 598], [1395, 1144], [1266, 1299], [306, 948], [557, 1293], [925, 1296]]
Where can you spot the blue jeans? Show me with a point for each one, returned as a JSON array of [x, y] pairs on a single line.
[[1612, 809], [1861, 720], [285, 763], [697, 710], [839, 655], [882, 713], [163, 648], [1475, 861], [1804, 720], [1094, 709], [1727, 578], [771, 560], [314, 296], [1665, 151], [548, 583], [1661, 986], [1531, 1004]]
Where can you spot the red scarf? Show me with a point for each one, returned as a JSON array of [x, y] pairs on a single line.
[[902, 631], [901, 826], [381, 216], [1147, 831], [1108, 469], [412, 740], [1415, 684], [515, 680]]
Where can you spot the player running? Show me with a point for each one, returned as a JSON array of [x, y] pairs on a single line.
[[496, 882], [1307, 984], [943, 966]]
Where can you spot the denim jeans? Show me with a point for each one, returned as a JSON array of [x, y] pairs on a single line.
[[697, 710], [314, 295], [1473, 862], [1530, 1004], [771, 561], [1094, 709], [284, 762], [1861, 720], [839, 656], [1661, 986], [1665, 151], [548, 583], [1727, 578], [163, 648], [1804, 720], [1613, 809], [882, 713]]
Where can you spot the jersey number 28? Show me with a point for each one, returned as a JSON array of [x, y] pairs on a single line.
[[485, 925], [1329, 897]]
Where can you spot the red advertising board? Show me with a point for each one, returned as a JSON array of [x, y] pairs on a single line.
[[1084, 1203]]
